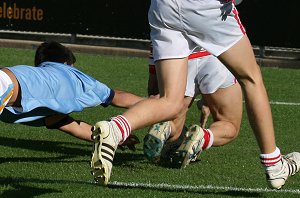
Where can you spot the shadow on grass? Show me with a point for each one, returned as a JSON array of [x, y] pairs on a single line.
[[26, 191], [122, 158], [68, 150], [17, 187], [47, 146], [60, 159]]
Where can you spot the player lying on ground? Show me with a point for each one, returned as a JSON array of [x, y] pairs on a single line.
[[46, 94], [223, 97]]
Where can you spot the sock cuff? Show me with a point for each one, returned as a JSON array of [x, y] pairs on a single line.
[[208, 139], [211, 140], [271, 158], [123, 125]]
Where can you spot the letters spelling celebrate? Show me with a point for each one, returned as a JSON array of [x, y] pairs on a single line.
[[13, 12]]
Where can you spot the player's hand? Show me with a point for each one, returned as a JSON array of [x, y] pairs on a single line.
[[205, 112], [130, 143]]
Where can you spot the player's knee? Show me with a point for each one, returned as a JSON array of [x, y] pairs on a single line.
[[250, 80], [235, 134], [175, 108], [232, 131]]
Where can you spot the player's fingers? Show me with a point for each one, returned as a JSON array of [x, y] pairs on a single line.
[[205, 112]]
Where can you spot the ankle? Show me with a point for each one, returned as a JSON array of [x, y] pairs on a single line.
[[208, 139], [271, 159], [123, 127]]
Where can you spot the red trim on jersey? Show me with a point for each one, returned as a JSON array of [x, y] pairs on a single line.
[[198, 54]]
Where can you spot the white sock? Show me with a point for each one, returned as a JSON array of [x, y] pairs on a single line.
[[271, 159], [123, 125], [208, 138]]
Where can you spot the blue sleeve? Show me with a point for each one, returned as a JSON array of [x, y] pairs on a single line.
[[109, 99]]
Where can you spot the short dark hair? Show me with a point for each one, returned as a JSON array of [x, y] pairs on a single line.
[[54, 52]]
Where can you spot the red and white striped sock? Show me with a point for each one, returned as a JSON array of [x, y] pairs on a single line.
[[208, 139], [123, 126], [271, 158]]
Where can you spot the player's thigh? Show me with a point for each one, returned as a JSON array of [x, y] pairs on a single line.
[[171, 76], [241, 61], [179, 122], [226, 104]]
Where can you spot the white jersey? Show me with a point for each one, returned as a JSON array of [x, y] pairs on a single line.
[[6, 89]]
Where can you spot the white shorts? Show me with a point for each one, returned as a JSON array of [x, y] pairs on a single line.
[[206, 75], [179, 26], [6, 89]]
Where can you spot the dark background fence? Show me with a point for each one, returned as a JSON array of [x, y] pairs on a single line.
[[268, 22]]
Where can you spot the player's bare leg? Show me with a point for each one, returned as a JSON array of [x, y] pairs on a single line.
[[172, 76], [161, 133], [226, 107], [241, 61]]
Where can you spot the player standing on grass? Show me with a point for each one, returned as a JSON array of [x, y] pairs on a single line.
[[44, 95], [177, 28]]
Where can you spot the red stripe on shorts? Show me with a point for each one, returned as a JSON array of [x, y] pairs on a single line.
[[199, 54], [236, 16]]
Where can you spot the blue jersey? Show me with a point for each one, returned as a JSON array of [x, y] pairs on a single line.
[[53, 88]]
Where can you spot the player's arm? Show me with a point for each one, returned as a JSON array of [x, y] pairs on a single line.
[[205, 112], [125, 99], [81, 130], [67, 124]]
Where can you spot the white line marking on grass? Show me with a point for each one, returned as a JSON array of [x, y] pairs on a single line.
[[275, 103], [285, 103], [163, 186]]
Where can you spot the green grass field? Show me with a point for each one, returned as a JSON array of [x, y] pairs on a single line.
[[36, 162]]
